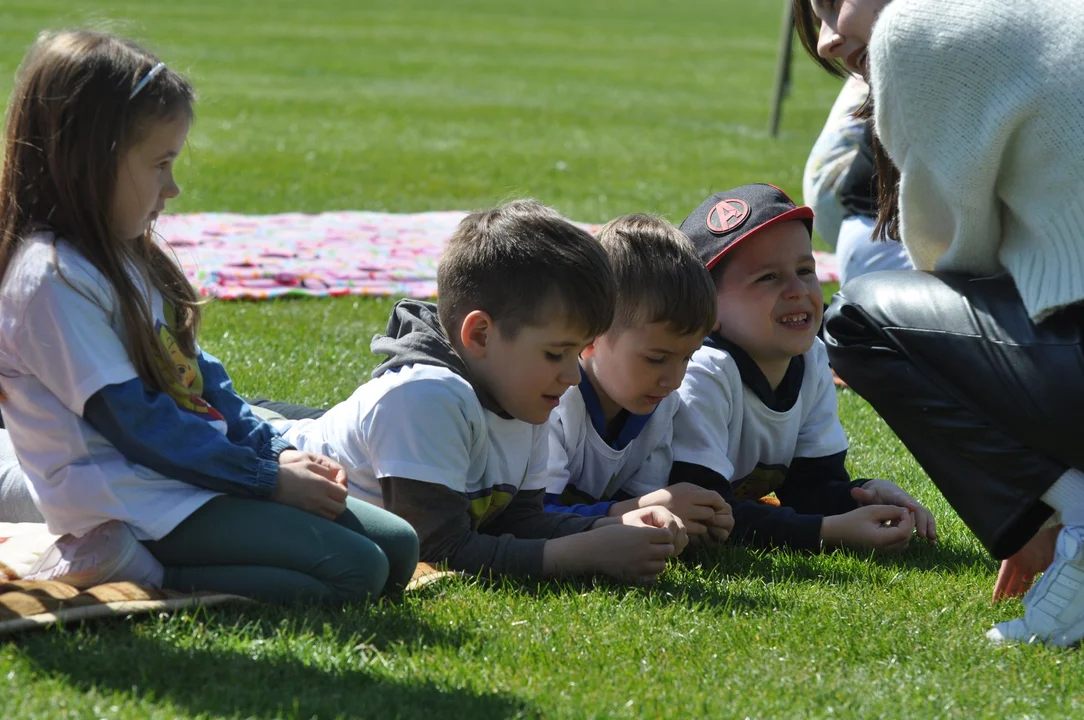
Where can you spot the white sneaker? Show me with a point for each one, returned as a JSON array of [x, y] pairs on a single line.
[[1054, 607], [108, 553]]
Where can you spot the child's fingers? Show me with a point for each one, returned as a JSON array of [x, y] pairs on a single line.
[[331, 509], [863, 496], [922, 523], [657, 535], [334, 491], [660, 552], [719, 534], [887, 513], [710, 499], [695, 528], [699, 512], [723, 520], [888, 537]]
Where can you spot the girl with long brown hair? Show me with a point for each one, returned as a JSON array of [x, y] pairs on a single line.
[[117, 415]]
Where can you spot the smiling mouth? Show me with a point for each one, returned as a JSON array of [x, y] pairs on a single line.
[[794, 320]]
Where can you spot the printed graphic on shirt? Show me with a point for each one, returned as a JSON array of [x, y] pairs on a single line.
[[486, 504], [187, 391], [762, 481]]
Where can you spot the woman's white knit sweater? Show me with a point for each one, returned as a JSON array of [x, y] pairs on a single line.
[[980, 103]]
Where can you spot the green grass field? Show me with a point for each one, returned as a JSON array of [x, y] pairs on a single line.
[[599, 108]]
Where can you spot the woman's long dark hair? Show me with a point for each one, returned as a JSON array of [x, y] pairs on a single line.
[[888, 176], [69, 119]]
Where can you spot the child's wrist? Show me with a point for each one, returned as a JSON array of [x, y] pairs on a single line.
[[620, 508], [830, 532], [565, 556]]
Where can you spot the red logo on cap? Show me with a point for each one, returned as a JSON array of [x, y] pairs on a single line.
[[727, 215]]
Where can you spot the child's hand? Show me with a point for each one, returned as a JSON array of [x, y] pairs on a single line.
[[659, 517], [330, 469], [311, 483], [696, 506], [629, 553], [886, 492], [721, 524], [885, 528], [1018, 572]]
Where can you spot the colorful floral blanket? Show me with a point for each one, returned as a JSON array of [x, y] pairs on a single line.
[[253, 257]]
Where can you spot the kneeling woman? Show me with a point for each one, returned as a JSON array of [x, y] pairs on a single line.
[[977, 363]]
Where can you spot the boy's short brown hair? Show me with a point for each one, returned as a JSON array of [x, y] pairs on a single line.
[[659, 276], [521, 262]]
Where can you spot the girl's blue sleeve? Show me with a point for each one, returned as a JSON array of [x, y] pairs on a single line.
[[552, 503], [148, 428], [242, 425]]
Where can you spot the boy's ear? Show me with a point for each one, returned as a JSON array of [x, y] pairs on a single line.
[[589, 350], [475, 331]]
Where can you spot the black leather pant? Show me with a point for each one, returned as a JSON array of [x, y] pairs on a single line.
[[990, 404]]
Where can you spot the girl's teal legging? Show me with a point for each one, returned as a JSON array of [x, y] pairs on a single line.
[[274, 552]]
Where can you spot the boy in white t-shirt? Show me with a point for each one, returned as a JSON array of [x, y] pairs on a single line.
[[610, 437], [758, 406], [451, 432]]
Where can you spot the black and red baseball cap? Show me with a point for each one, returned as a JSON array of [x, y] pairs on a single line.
[[727, 218]]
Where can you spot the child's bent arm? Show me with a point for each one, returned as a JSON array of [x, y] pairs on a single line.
[[441, 517], [756, 523], [243, 427], [819, 485], [525, 517], [149, 428]]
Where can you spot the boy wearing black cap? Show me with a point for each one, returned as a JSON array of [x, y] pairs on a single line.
[[758, 407]]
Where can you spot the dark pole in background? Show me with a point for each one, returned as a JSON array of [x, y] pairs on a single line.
[[782, 68]]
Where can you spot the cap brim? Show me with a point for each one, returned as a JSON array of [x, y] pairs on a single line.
[[802, 212]]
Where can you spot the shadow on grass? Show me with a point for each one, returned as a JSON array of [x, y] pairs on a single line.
[[262, 662], [737, 561], [692, 590]]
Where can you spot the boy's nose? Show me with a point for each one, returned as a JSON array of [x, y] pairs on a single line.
[[570, 374], [670, 380], [795, 287]]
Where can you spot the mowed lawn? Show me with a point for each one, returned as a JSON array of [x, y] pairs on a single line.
[[597, 107]]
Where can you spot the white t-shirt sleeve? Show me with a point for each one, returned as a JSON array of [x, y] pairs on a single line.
[[557, 460], [67, 342], [538, 467], [702, 420], [419, 430], [821, 433]]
